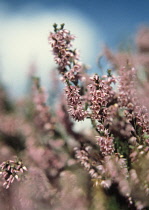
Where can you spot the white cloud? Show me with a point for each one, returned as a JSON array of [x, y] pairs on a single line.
[[23, 40]]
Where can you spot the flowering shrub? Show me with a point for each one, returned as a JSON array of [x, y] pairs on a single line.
[[102, 167]]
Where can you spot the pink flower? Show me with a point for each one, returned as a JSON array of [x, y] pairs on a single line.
[[9, 170], [106, 145]]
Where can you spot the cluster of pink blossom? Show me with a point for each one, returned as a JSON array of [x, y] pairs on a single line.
[[135, 112], [84, 157], [74, 102], [70, 69], [9, 124], [127, 93], [10, 170], [142, 39], [101, 94], [61, 42], [43, 118], [101, 98]]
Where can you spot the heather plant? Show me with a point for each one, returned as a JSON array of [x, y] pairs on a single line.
[[46, 163], [114, 156]]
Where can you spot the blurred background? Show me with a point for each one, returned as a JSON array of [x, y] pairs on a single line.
[[25, 26]]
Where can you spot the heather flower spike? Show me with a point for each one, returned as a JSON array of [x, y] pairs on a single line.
[[70, 69]]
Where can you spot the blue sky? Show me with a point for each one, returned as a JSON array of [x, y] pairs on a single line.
[[115, 18], [25, 25]]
